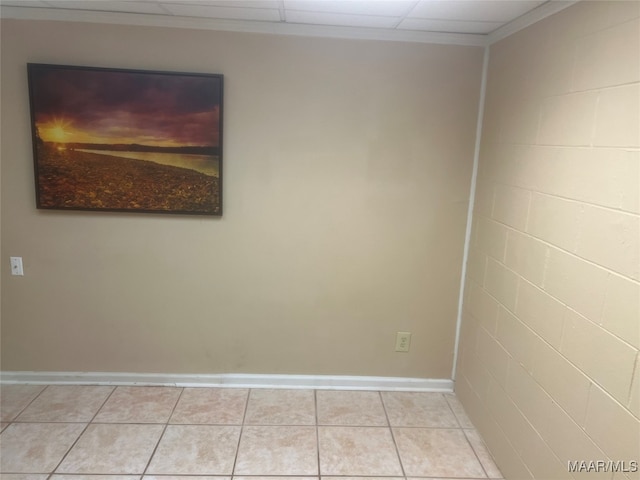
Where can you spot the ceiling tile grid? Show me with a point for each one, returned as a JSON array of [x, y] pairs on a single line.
[[449, 16]]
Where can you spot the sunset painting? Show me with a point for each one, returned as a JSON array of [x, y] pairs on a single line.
[[126, 140]]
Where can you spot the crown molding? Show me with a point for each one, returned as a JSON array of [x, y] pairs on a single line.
[[166, 21], [543, 11]]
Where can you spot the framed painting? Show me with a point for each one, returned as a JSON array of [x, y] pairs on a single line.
[[126, 140]]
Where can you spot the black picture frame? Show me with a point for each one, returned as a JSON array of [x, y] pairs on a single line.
[[124, 140]]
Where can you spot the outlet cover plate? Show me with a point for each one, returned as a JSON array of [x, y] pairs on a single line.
[[403, 341]]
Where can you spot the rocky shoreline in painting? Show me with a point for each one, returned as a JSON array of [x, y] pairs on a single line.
[[87, 181]]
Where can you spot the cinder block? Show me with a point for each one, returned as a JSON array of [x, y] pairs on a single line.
[[540, 312], [576, 283], [611, 426], [611, 239], [568, 119], [526, 256], [502, 283], [618, 117], [612, 367]]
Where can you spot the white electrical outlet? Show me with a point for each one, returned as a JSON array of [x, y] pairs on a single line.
[[403, 341], [16, 266]]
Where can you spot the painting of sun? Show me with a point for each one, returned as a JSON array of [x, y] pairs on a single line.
[[126, 140]]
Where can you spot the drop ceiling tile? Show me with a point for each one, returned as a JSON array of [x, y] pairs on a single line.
[[391, 8], [449, 26], [473, 10], [451, 16], [337, 19], [227, 13], [109, 6]]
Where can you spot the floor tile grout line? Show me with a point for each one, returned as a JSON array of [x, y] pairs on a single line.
[[164, 429], [462, 429], [83, 431], [244, 417], [332, 425], [465, 434], [444, 397], [175, 406], [453, 394], [393, 437], [15, 417], [475, 453]]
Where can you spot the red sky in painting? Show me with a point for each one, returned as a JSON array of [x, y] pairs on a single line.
[[109, 107]]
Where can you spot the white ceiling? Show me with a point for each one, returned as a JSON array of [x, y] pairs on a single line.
[[385, 17]]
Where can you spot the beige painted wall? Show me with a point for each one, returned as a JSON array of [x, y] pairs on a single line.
[[347, 173], [549, 369]]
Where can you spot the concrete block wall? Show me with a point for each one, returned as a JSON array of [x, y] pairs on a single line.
[[549, 366]]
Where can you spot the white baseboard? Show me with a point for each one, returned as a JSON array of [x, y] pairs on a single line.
[[320, 382]]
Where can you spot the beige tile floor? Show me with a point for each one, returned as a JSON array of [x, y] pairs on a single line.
[[169, 433]]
